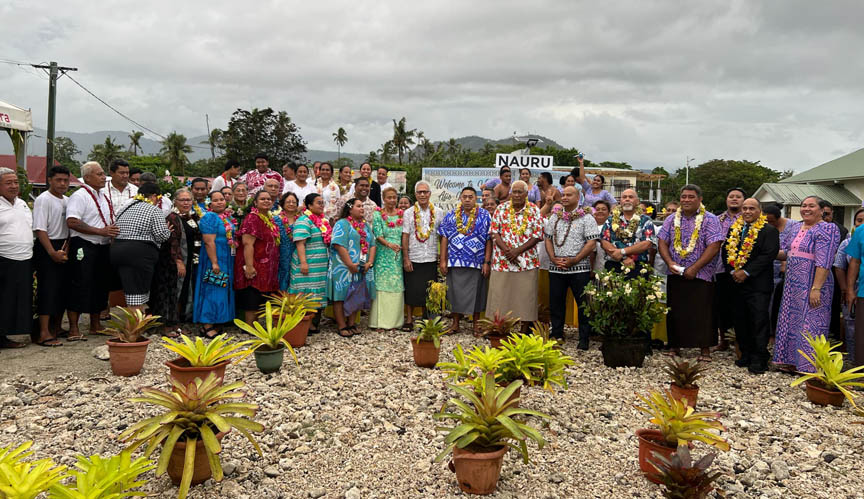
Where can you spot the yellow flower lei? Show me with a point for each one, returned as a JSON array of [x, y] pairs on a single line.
[[418, 234], [735, 259], [267, 218], [513, 226], [462, 229], [197, 209], [628, 231], [139, 197], [694, 237]]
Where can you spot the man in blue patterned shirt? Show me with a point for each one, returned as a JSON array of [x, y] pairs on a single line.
[[628, 235]]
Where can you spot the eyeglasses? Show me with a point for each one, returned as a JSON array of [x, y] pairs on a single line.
[[422, 192]]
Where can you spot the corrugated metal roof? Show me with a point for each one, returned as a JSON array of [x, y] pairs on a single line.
[[792, 194], [848, 166]]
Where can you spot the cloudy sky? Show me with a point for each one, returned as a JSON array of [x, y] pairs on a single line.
[[647, 82]]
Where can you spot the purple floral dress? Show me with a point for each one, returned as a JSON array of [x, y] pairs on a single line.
[[808, 250]]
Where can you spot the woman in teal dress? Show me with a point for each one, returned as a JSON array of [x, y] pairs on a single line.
[[214, 304], [353, 251], [311, 236], [389, 300], [286, 219]]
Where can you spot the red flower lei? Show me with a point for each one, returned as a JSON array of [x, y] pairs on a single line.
[[322, 224], [289, 228], [360, 227], [400, 213], [229, 229]]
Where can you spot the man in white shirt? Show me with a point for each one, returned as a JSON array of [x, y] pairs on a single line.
[[90, 217], [419, 250], [50, 257], [119, 190], [16, 253], [228, 176]]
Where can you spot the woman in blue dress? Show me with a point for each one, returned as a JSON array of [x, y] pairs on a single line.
[[352, 251], [287, 217], [214, 303]]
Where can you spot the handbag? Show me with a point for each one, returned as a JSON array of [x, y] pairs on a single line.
[[358, 295], [219, 279]]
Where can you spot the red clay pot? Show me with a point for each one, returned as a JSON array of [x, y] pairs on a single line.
[[691, 394], [127, 359], [425, 353], [819, 395], [477, 472], [183, 372], [495, 341], [652, 441], [297, 336], [202, 466]]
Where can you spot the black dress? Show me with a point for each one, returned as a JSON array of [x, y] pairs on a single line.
[[164, 291], [193, 249]]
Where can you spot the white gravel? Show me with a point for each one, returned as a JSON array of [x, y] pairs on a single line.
[[355, 421]]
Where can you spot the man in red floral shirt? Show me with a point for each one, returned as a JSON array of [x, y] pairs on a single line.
[[255, 179]]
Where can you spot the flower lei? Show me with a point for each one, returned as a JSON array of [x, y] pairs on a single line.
[[515, 228], [734, 258], [343, 190], [289, 227], [322, 224], [267, 218], [571, 215], [198, 210], [360, 227], [422, 237], [460, 227], [691, 245], [390, 224], [139, 197], [566, 216], [628, 231], [227, 221]]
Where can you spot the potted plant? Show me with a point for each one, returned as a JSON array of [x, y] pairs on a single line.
[[677, 424], [533, 360], [498, 327], [830, 383], [198, 359], [96, 477], [436, 297], [683, 478], [683, 375], [427, 344], [270, 342], [624, 310], [486, 426], [284, 303], [196, 418], [128, 348], [26, 479], [541, 329]]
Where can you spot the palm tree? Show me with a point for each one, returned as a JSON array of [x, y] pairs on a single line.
[[106, 152], [386, 151], [340, 137], [402, 138], [175, 149], [135, 142], [214, 140]]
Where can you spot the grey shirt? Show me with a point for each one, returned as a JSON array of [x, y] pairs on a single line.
[[568, 239]]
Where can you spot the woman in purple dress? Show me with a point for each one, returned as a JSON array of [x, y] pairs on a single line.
[[592, 191], [788, 228], [806, 305]]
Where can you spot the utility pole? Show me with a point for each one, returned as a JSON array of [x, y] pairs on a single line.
[[53, 69], [212, 148], [687, 169]]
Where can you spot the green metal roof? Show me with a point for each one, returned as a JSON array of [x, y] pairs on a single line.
[[793, 194], [848, 166]]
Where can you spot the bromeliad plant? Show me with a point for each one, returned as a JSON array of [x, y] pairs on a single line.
[[284, 303], [829, 368], [488, 420], [436, 296], [679, 423], [625, 307], [26, 479], [681, 477], [195, 412], [541, 329], [684, 373], [99, 478], [270, 336], [535, 361], [498, 325], [431, 330], [199, 354], [129, 325]]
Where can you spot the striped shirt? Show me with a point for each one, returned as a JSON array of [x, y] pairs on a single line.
[[315, 282]]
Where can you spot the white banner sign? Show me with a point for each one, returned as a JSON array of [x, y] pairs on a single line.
[[447, 183], [522, 161]]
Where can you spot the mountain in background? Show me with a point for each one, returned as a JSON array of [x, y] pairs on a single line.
[[476, 143]]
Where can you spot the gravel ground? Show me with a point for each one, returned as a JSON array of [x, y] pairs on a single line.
[[355, 420]]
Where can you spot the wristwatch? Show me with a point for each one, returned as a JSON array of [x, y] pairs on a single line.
[[624, 251]]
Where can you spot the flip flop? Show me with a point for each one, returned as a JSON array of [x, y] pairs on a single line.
[[51, 342], [77, 337], [350, 334], [9, 344], [408, 328]]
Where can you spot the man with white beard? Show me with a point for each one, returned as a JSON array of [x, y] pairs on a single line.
[[628, 235]]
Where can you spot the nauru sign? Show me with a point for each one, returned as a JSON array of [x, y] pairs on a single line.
[[522, 161]]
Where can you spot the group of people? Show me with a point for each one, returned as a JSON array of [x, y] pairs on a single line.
[[204, 254]]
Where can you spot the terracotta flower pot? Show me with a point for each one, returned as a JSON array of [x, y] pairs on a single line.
[[202, 466], [127, 359], [652, 441], [477, 472], [495, 341], [297, 336], [691, 394], [819, 395], [425, 353], [269, 361], [183, 372]]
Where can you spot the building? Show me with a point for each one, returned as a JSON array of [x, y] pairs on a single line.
[[35, 170], [839, 181]]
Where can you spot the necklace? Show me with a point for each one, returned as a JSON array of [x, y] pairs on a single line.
[[99, 208], [289, 226], [567, 216], [421, 236], [360, 227], [344, 188], [267, 218], [518, 229], [198, 210], [735, 258], [694, 237], [627, 231], [139, 197], [472, 217], [229, 224], [322, 224], [386, 218]]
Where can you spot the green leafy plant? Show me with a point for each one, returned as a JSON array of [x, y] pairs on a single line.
[[829, 368], [458, 369], [193, 412], [284, 303], [682, 478], [679, 423], [684, 373], [532, 359], [270, 335], [498, 325], [129, 324], [99, 478], [11, 456], [625, 307], [26, 479], [199, 354], [431, 330], [436, 296], [488, 420], [541, 329]]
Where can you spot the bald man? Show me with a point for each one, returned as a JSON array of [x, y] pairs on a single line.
[[629, 235], [752, 282]]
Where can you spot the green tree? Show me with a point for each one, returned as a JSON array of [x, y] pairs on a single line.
[[65, 153], [372, 158], [340, 162], [214, 140], [715, 177], [387, 151], [175, 149], [106, 152], [340, 137], [135, 142], [156, 164], [403, 138], [263, 130]]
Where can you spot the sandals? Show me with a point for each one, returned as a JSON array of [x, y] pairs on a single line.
[[345, 332], [210, 333], [76, 337], [50, 342], [408, 328], [7, 343], [354, 329]]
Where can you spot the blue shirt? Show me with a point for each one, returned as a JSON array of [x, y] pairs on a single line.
[[855, 249], [466, 250]]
